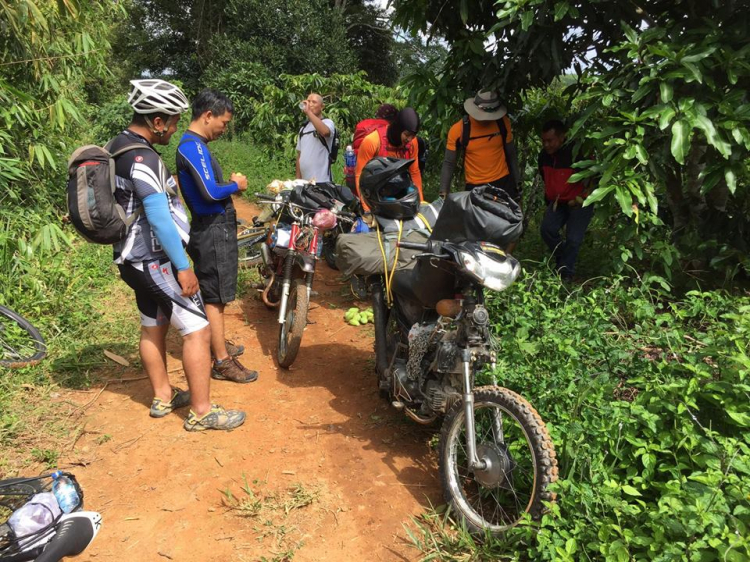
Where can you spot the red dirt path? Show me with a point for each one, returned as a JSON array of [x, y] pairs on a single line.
[[319, 429]]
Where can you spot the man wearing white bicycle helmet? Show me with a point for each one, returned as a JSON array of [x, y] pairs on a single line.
[[153, 262]]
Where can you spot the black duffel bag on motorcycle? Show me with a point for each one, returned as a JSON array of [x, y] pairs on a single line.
[[321, 195], [486, 213]]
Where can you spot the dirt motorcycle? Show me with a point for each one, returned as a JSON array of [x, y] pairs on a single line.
[[496, 457], [57, 536], [290, 250]]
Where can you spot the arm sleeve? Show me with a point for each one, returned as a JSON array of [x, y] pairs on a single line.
[[156, 207], [199, 165], [453, 135], [416, 175], [446, 173]]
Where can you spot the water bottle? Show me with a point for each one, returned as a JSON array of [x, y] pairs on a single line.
[[65, 492], [350, 157]]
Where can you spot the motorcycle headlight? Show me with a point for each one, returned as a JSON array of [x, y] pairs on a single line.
[[493, 274]]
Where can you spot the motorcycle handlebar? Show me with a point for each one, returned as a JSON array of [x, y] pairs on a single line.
[[265, 197], [422, 247]]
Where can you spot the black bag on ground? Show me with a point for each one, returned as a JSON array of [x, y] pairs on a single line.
[[94, 212], [485, 214]]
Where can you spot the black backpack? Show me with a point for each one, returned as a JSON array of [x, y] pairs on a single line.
[[466, 134], [94, 212], [333, 152]]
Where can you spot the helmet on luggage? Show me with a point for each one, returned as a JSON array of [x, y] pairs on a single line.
[[386, 187]]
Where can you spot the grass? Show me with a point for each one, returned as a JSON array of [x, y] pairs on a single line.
[[80, 312], [438, 537], [276, 512]]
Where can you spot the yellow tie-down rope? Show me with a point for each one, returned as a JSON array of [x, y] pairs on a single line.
[[389, 277], [424, 220]]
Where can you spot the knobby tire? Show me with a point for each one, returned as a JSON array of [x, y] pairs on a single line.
[[534, 463], [290, 332]]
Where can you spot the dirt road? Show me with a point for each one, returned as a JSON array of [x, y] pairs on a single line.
[[322, 469]]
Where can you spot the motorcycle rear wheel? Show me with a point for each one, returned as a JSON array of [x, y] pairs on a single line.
[[290, 332], [510, 433]]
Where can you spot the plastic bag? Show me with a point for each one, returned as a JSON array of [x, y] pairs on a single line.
[[39, 512]]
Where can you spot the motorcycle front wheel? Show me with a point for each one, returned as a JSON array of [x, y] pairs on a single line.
[[290, 332], [521, 465]]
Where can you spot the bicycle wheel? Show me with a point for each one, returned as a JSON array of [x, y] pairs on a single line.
[[290, 332], [21, 344], [512, 437]]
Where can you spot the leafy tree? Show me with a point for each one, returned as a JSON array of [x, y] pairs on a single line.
[[48, 50], [661, 101], [169, 37], [349, 98], [196, 39], [370, 36]]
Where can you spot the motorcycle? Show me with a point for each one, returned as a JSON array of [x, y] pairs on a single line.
[[347, 215], [292, 246], [67, 534], [496, 458]]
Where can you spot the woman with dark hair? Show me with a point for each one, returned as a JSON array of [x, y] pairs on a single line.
[[398, 140]]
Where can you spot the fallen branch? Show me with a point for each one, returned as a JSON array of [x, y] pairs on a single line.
[[88, 404]]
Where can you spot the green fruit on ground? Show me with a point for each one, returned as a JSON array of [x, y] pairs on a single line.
[[354, 322]]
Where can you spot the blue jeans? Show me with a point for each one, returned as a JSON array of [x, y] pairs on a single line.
[[576, 220]]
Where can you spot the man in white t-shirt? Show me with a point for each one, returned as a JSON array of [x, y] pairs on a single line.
[[315, 142]]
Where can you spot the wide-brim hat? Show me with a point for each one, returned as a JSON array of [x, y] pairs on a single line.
[[485, 106]]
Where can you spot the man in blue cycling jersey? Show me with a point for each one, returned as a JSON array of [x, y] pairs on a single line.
[[152, 259], [213, 226]]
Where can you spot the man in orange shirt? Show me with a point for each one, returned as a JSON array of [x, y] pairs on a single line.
[[489, 151], [398, 140]]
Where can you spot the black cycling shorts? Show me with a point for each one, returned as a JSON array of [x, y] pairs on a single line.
[[213, 249], [159, 296], [505, 183]]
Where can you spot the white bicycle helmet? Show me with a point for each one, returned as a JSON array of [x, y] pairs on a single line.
[[157, 96]]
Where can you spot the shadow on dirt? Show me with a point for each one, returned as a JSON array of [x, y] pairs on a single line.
[[347, 373]]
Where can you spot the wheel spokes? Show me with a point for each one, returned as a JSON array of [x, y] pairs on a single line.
[[503, 502]]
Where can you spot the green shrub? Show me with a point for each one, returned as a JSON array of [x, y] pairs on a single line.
[[646, 398]]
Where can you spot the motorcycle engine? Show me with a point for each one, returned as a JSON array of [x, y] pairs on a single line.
[[404, 388], [441, 396]]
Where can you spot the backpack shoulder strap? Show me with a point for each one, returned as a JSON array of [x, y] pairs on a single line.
[[503, 130], [127, 148], [302, 128], [465, 133], [382, 149]]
